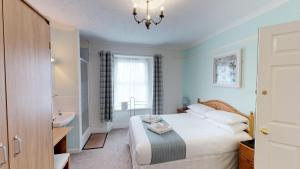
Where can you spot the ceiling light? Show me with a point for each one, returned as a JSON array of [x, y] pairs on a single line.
[[154, 4], [148, 21]]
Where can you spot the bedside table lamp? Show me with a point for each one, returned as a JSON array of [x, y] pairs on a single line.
[[185, 101]]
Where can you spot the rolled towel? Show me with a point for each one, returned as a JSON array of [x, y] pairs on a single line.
[[151, 119], [159, 128]]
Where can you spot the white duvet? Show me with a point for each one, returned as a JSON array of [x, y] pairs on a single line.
[[201, 137]]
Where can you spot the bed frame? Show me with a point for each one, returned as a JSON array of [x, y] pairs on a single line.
[[220, 105]]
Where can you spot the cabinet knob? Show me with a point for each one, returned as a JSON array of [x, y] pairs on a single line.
[[17, 145], [3, 150]]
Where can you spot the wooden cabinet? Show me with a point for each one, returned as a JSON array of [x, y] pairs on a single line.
[[61, 157], [246, 155], [3, 121], [27, 91]]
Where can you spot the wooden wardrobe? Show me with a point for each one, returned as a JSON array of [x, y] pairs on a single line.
[[25, 88]]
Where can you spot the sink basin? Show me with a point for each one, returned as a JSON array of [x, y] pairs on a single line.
[[63, 119]]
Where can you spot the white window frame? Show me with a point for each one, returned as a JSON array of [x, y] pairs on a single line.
[[150, 81]]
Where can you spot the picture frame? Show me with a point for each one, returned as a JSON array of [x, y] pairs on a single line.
[[227, 69]]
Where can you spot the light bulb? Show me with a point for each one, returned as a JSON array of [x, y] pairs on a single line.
[[162, 8], [135, 5], [148, 17]]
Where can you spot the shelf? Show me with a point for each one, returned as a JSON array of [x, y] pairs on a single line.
[[61, 160], [59, 134]]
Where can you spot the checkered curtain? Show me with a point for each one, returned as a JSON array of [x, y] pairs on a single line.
[[106, 85], [157, 85]]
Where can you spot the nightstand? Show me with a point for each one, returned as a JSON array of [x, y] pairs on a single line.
[[182, 110], [246, 155]]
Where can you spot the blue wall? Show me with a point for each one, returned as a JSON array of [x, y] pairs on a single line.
[[197, 61]]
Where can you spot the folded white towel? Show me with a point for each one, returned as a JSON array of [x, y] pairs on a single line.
[[159, 128], [159, 125], [151, 118]]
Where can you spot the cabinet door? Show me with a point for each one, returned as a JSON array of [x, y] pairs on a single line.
[[3, 119], [28, 81]]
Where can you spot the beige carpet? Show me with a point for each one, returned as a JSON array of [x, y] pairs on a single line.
[[96, 140], [114, 155]]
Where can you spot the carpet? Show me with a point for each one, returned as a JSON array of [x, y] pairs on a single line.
[[114, 155], [95, 141]]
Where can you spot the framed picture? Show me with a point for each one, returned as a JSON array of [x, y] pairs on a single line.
[[227, 69]]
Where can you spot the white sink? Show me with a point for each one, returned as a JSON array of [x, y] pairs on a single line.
[[63, 119]]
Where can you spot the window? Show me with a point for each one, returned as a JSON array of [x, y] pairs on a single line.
[[133, 81]]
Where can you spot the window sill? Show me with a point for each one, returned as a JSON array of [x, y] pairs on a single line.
[[140, 109]]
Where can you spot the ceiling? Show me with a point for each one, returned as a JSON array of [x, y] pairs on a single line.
[[186, 23]]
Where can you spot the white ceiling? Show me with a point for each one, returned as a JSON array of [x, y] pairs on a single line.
[[186, 21]]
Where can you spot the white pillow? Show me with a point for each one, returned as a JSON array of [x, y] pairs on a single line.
[[234, 128], [224, 117], [202, 116], [200, 108]]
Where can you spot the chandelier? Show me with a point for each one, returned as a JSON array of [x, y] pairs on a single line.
[[148, 20]]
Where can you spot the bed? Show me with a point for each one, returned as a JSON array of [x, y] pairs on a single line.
[[207, 146]]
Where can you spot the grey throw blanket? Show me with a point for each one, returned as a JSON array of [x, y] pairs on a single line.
[[165, 147]]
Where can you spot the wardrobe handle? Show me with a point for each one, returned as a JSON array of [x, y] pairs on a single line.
[[3, 150], [17, 145]]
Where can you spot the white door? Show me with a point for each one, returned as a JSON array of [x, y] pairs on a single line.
[[278, 99]]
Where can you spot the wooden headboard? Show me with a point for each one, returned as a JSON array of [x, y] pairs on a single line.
[[220, 105]]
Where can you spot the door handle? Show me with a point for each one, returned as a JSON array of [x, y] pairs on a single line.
[[3, 150], [17, 145], [264, 131]]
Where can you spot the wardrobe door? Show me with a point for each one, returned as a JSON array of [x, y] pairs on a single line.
[[3, 119], [28, 81]]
